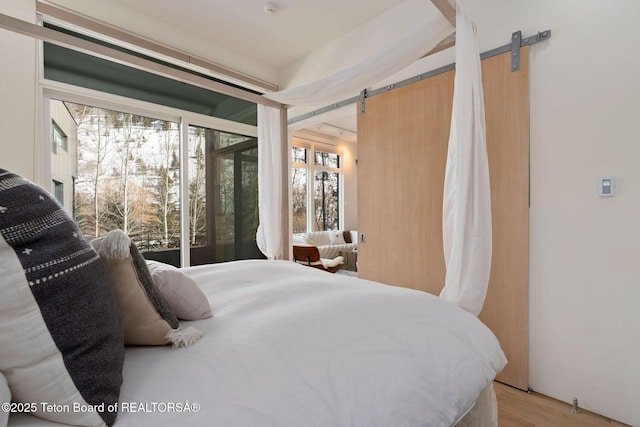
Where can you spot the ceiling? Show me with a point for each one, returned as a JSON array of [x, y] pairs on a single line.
[[297, 28]]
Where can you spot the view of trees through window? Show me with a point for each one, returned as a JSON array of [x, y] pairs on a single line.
[[127, 176], [319, 209], [123, 172]]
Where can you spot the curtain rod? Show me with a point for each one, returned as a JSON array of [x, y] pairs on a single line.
[[540, 36], [65, 40], [137, 41]]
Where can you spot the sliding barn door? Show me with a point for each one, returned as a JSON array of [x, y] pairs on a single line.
[[402, 150]]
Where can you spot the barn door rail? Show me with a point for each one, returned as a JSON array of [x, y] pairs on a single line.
[[517, 42]]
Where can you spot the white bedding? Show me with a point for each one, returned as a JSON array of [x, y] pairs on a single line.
[[294, 346]]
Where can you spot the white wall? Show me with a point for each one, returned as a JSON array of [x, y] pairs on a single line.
[[17, 92], [350, 169], [584, 250], [64, 163]]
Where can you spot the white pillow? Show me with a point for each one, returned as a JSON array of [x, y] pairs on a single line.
[[336, 238], [5, 397], [299, 238], [180, 291]]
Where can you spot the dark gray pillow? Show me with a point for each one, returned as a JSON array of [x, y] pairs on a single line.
[[61, 340], [154, 295]]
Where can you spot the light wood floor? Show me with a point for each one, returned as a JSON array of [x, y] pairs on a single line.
[[517, 408]]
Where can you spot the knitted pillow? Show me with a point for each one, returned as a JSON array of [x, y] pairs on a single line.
[[61, 335], [146, 316]]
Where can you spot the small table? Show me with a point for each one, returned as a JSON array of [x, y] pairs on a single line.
[[350, 259]]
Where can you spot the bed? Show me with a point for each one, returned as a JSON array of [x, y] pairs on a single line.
[[289, 346]]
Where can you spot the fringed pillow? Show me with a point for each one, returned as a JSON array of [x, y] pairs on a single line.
[[146, 316], [61, 335]]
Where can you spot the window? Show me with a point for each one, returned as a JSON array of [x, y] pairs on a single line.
[[327, 159], [326, 200], [299, 189], [58, 191], [58, 138], [127, 176], [320, 208], [151, 155]]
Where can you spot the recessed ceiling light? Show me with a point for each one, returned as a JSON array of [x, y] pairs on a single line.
[[270, 8]]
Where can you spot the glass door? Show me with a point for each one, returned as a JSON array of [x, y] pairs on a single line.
[[223, 193], [236, 210]]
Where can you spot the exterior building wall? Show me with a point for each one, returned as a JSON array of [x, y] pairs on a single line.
[[64, 168]]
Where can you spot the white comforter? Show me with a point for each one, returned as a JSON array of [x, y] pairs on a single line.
[[294, 346]]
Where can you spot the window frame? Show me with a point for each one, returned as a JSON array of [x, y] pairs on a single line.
[[311, 167]]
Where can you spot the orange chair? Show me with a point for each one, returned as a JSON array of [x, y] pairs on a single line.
[[310, 256]]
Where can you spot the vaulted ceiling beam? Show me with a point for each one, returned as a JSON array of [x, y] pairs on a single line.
[[447, 10]]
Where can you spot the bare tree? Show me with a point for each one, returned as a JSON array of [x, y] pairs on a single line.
[[326, 200], [131, 138], [299, 199], [166, 188], [197, 191], [94, 136]]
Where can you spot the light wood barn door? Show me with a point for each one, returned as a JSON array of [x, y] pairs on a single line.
[[402, 148]]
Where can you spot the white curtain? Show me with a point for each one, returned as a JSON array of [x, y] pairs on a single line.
[[269, 234], [466, 218], [385, 63]]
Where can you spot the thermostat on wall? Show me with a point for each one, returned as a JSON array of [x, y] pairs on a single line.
[[607, 187]]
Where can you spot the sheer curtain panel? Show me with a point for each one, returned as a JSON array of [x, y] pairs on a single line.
[[269, 234], [466, 217], [351, 81]]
